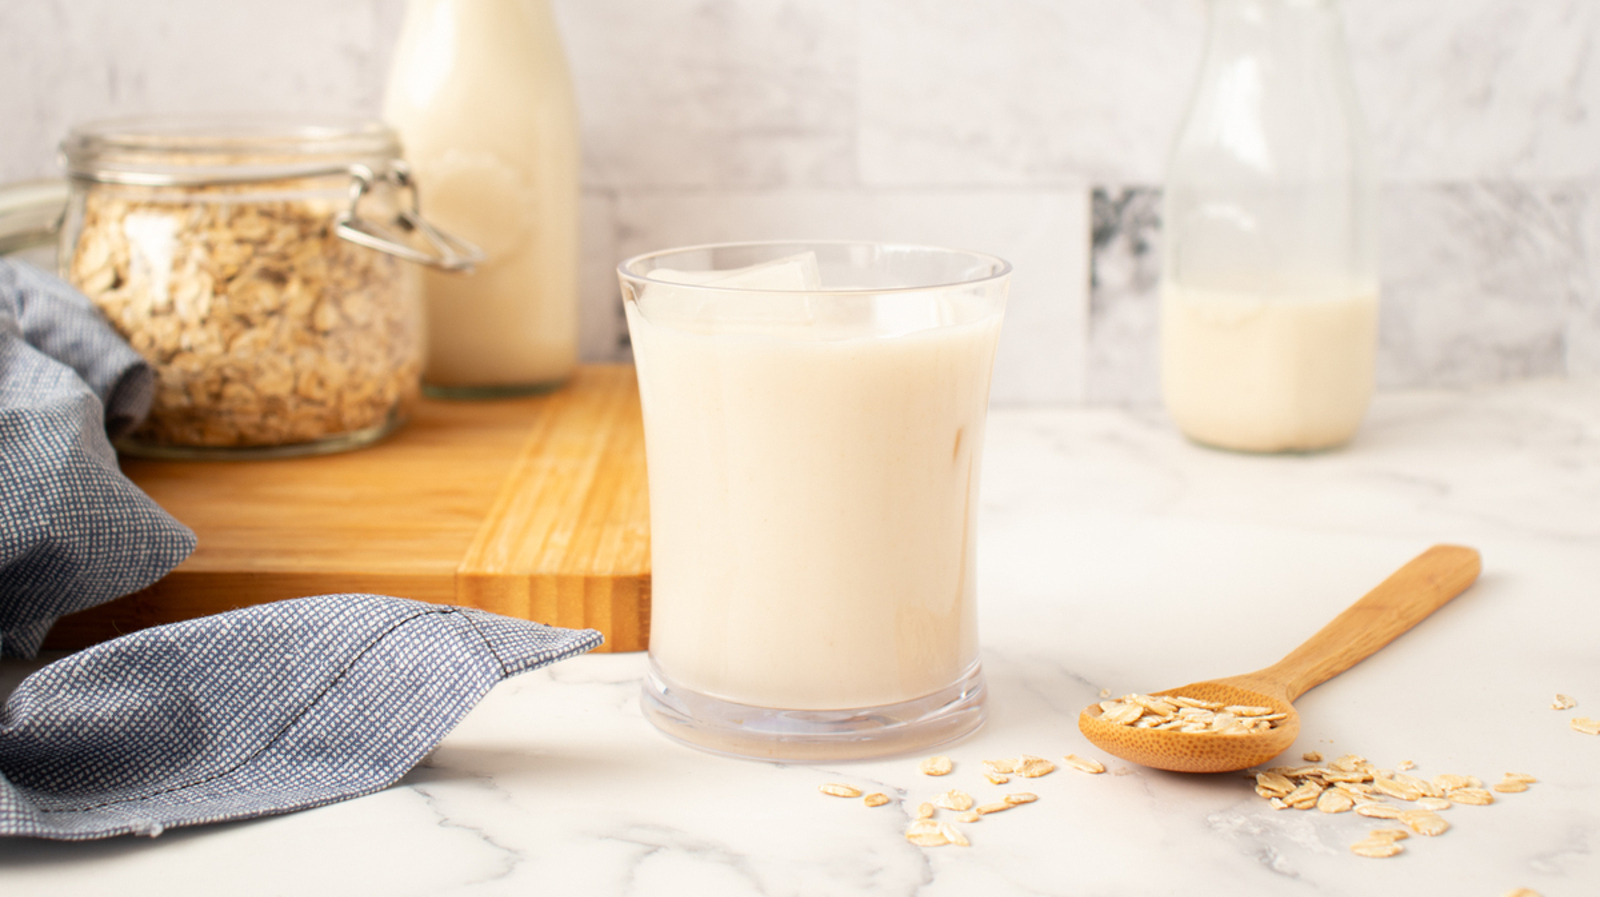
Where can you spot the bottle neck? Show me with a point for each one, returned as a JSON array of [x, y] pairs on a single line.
[[1310, 30]]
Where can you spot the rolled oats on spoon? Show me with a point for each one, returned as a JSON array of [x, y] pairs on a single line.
[[1219, 739]]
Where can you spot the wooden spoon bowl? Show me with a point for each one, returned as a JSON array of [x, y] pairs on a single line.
[[1199, 751], [1413, 592]]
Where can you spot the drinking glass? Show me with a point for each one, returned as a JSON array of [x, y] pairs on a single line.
[[813, 419]]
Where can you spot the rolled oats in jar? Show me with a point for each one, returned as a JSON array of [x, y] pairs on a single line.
[[264, 268]]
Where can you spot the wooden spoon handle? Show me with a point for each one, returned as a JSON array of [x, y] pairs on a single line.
[[1400, 602]]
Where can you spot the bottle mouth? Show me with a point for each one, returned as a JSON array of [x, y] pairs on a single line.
[[168, 150]]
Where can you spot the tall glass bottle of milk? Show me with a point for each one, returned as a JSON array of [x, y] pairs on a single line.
[[481, 96], [1269, 292]]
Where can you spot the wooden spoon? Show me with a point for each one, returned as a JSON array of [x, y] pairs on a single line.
[[1400, 602]]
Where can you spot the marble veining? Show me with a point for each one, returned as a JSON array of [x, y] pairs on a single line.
[[1112, 555]]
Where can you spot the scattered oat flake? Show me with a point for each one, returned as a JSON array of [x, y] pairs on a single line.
[[1003, 767], [1376, 848], [1379, 811], [954, 800], [1522, 892], [1405, 764], [1396, 789], [1274, 781], [1389, 834], [1335, 801], [1021, 797], [1586, 725], [1425, 822], [969, 816], [936, 766], [836, 790], [1450, 782], [953, 835], [925, 810], [1422, 787], [1311, 757], [875, 799], [1349, 763], [1474, 796], [926, 833], [1509, 787], [996, 778], [1306, 793], [1434, 803], [1562, 702], [1034, 767], [1520, 777], [1085, 764], [986, 809]]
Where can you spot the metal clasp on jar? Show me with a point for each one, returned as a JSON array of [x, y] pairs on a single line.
[[443, 250]]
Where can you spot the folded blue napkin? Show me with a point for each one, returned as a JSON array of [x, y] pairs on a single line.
[[268, 709], [74, 532], [263, 710]]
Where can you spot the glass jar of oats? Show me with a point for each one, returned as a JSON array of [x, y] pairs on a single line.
[[264, 267]]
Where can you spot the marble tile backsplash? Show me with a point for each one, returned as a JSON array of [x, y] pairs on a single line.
[[1036, 130]]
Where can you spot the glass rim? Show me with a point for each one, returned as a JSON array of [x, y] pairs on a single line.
[[1001, 268]]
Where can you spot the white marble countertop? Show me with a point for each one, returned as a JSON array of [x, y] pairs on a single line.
[[1112, 555]]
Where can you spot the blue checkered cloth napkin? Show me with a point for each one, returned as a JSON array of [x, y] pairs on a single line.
[[258, 711], [74, 532]]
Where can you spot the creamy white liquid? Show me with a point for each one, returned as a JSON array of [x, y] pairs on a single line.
[[813, 498], [1266, 373], [482, 100]]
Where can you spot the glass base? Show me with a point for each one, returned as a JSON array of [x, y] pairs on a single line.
[[493, 391], [342, 442], [741, 730]]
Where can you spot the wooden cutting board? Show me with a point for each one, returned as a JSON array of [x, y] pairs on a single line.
[[534, 507]]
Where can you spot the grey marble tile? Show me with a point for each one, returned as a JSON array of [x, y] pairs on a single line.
[[1480, 89], [68, 61], [1124, 297], [713, 93], [1583, 323], [1044, 234], [1479, 282], [1022, 92], [982, 124]]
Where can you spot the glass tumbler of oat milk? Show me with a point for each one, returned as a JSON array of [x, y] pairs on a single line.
[[1269, 296], [814, 418]]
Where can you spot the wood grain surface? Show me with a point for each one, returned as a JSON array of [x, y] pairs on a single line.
[[534, 507]]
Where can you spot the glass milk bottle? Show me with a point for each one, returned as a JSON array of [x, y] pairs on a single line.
[[1269, 292], [481, 96]]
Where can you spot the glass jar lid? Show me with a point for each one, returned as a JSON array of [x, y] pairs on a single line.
[[160, 151], [220, 150]]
